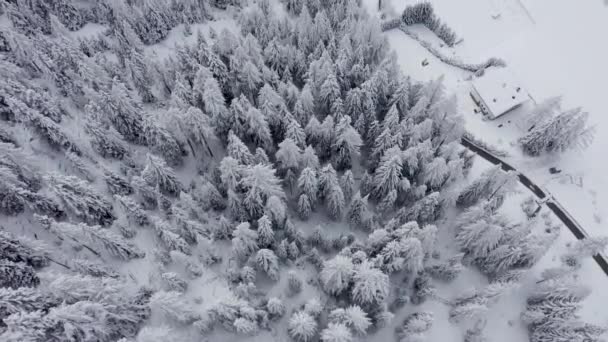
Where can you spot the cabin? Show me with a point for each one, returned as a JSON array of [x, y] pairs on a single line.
[[498, 92]]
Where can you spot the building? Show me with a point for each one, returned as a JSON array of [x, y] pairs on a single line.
[[497, 92]]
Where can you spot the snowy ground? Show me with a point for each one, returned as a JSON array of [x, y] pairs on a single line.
[[550, 58]]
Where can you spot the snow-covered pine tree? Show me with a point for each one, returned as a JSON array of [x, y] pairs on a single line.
[[158, 173], [336, 332], [388, 174], [230, 173], [565, 131], [302, 326], [492, 183], [117, 184], [288, 155], [135, 213], [551, 313], [335, 202], [426, 210], [197, 129], [169, 238], [544, 111], [17, 274], [275, 307], [81, 199], [414, 326], [347, 182], [244, 241], [267, 261], [337, 274], [346, 145], [238, 150], [309, 184], [304, 207], [122, 111], [260, 183], [265, 232], [257, 128], [111, 242], [22, 250], [174, 307], [357, 211], [371, 286]]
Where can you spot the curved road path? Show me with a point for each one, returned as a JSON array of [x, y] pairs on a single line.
[[550, 202]]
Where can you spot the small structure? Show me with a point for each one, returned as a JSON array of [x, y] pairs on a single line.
[[497, 92]]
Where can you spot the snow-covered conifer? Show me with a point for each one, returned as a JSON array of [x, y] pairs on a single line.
[[304, 207], [170, 239], [113, 243], [267, 261], [230, 173], [265, 232], [293, 252], [371, 286], [414, 326], [260, 156], [21, 250], [275, 307], [197, 129], [260, 183], [302, 326], [135, 213], [244, 241], [492, 183], [295, 133], [388, 174], [158, 173], [446, 271], [346, 145], [337, 274], [309, 184], [426, 210], [238, 150], [276, 210], [347, 182], [388, 202], [336, 332], [173, 306], [82, 200], [245, 326], [122, 111], [565, 131], [356, 319], [313, 131], [288, 154], [257, 128], [162, 142], [117, 184], [357, 211], [17, 274], [294, 283], [335, 202]]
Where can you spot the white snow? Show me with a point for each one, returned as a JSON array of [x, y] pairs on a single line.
[[89, 30]]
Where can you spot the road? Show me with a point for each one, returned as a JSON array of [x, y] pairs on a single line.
[[551, 203]]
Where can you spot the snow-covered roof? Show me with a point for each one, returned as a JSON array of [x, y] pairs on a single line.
[[500, 91]]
